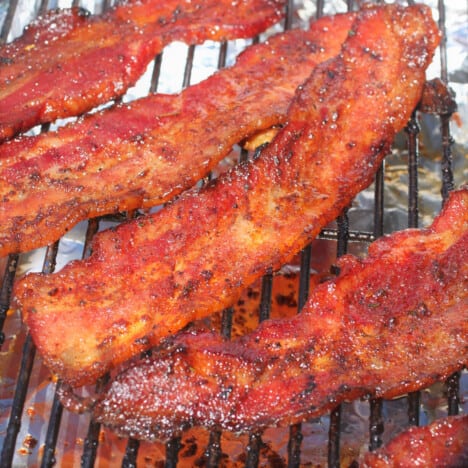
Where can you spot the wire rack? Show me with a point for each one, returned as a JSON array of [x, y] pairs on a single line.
[[407, 191]]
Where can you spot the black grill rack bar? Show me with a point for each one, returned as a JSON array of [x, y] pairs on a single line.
[[5, 291], [342, 235]]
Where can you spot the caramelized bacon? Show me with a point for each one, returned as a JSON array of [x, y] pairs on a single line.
[[390, 324], [144, 153], [442, 443], [148, 278], [437, 98], [68, 62]]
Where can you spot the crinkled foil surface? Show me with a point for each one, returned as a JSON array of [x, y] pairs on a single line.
[[355, 423]]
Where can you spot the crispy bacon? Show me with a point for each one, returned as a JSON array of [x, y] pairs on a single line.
[[144, 153], [442, 443], [437, 98], [148, 278], [390, 324], [68, 62]]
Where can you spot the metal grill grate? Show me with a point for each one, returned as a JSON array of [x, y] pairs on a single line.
[[29, 378]]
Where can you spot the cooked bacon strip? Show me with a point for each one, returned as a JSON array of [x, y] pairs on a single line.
[[390, 324], [68, 62], [144, 153], [148, 278], [442, 443]]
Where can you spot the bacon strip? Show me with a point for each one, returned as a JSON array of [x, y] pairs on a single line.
[[390, 324], [144, 153], [68, 62], [442, 443], [149, 278]]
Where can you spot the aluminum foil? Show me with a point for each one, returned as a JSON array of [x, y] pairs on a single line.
[[354, 438]]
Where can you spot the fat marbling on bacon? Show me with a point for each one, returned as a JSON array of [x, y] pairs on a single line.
[[145, 152], [68, 61], [392, 323], [148, 278]]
